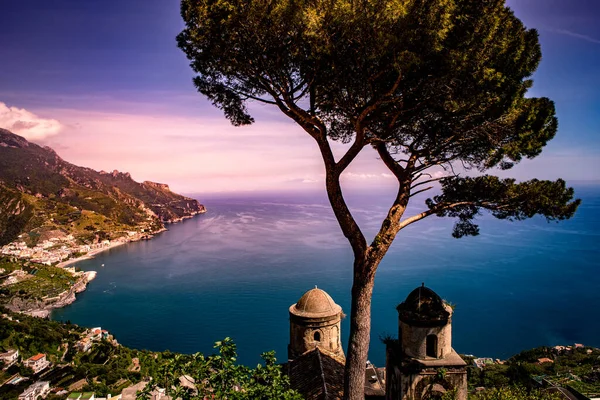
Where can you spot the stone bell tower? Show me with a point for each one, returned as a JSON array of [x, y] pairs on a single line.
[[315, 322], [422, 364]]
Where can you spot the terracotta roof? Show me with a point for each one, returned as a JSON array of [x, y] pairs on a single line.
[[315, 303], [37, 357], [317, 376]]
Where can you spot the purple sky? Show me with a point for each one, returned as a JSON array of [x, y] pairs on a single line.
[[103, 83]]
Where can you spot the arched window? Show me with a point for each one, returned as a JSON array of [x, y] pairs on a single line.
[[432, 346], [317, 336]]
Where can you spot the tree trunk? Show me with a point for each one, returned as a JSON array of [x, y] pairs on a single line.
[[360, 330]]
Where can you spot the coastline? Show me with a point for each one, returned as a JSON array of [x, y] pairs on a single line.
[[91, 254], [45, 310]]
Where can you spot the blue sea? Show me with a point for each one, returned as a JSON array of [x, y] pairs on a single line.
[[234, 272]]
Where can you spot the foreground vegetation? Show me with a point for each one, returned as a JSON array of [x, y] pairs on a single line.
[[108, 368], [514, 393], [577, 368]]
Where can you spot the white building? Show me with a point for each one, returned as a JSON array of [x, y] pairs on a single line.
[[84, 345], [38, 390], [37, 363], [9, 358]]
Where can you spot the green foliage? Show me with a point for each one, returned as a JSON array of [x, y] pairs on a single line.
[[15, 214], [463, 198], [220, 377], [446, 76], [576, 368], [35, 335], [532, 355], [47, 282], [495, 376], [107, 368], [515, 393]]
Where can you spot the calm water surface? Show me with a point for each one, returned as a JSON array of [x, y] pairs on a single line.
[[235, 270]]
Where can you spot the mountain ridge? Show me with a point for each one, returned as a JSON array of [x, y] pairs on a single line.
[[41, 191]]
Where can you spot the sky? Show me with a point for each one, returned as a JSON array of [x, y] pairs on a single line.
[[104, 84]]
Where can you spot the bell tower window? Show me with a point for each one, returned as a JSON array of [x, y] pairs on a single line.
[[432, 346], [317, 336]]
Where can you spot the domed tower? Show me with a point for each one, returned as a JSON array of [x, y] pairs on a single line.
[[422, 364], [315, 322], [424, 325]]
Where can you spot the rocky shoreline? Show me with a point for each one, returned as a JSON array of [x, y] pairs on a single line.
[[43, 308], [192, 214]]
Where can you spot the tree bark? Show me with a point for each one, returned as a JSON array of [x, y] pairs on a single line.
[[360, 329]]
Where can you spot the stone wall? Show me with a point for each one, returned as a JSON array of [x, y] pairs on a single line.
[[302, 335], [414, 340]]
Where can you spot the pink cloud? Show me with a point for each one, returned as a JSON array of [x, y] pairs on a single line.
[[27, 124]]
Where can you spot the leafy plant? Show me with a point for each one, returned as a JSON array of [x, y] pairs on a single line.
[[219, 376]]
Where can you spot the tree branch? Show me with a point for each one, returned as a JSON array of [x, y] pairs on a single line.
[[424, 182], [421, 191], [424, 214], [353, 151], [389, 161]]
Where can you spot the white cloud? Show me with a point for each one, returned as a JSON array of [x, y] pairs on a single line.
[[439, 174], [355, 176], [27, 124]]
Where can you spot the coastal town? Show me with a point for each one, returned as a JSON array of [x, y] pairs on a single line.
[[63, 249], [58, 375], [42, 371], [22, 262]]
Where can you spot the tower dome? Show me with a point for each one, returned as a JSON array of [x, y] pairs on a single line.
[[315, 303], [315, 322], [425, 326], [423, 307]]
